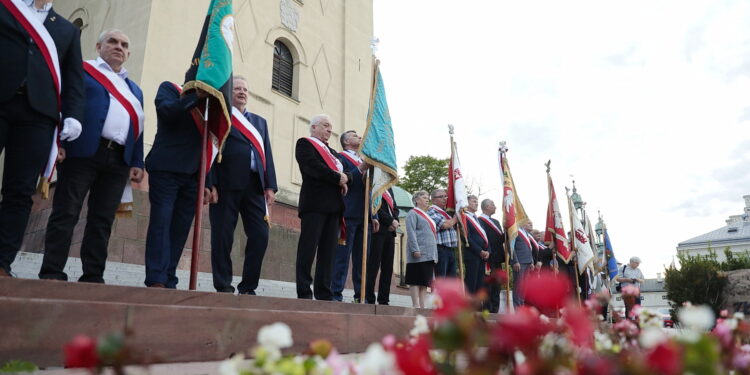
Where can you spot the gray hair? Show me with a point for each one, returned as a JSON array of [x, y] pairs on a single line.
[[471, 196], [436, 192], [416, 195], [486, 203], [317, 119], [104, 34], [241, 78], [635, 260]]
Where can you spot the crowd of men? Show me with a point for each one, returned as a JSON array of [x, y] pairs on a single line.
[[88, 118]]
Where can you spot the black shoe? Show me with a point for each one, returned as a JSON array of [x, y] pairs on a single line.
[[248, 292], [228, 289], [383, 303]]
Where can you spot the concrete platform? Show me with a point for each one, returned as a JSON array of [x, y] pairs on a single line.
[[39, 316]]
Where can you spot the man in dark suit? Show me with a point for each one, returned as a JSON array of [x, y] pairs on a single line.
[[107, 155], [354, 206], [382, 248], [321, 205], [36, 95], [172, 165], [477, 252], [523, 261], [245, 182], [496, 236]]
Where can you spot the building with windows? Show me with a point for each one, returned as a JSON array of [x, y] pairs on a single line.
[[301, 58], [735, 236]]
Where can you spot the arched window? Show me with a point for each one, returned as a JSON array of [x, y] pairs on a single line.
[[283, 69]]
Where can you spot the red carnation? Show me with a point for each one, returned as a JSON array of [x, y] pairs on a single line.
[[451, 298], [580, 325], [545, 290], [81, 352]]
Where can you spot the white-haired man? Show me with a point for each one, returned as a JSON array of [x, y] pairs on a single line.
[[321, 206], [107, 156], [631, 275]]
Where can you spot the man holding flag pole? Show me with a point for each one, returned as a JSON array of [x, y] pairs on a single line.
[[378, 150], [183, 151]]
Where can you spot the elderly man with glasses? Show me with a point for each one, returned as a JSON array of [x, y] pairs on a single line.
[[447, 239]]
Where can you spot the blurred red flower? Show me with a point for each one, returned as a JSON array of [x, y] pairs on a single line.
[[414, 358], [450, 298], [665, 358], [581, 328], [499, 277], [545, 290], [81, 352], [520, 330]]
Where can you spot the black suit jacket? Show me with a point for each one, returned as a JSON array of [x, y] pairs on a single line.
[[23, 64], [386, 216], [177, 145], [320, 190], [497, 241], [476, 241]]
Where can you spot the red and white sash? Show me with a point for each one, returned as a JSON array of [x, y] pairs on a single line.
[[441, 211], [428, 218], [388, 199], [491, 224], [326, 154], [212, 148], [241, 123], [350, 158], [36, 30], [471, 220], [524, 237], [127, 99]]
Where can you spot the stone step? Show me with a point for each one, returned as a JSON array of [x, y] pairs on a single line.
[[73, 291], [35, 329]]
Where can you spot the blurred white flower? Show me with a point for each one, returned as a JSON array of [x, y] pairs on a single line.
[[376, 361], [697, 318], [232, 365], [275, 336], [651, 336], [420, 326]]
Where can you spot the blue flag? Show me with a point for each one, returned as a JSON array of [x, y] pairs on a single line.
[[377, 146], [611, 261]]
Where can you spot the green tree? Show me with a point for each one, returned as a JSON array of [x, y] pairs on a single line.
[[700, 280], [424, 173]]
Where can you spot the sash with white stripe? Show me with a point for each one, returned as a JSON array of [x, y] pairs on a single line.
[[441, 211], [127, 99], [428, 218], [243, 125], [478, 228], [249, 131], [491, 224], [35, 28]]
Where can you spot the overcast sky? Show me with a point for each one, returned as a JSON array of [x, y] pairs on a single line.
[[645, 103]]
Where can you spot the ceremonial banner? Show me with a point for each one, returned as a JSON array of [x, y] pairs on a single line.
[[555, 233], [211, 69], [610, 254], [377, 147], [590, 232], [582, 245], [457, 197], [513, 212]]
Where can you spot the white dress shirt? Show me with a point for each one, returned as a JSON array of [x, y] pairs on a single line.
[[117, 122], [40, 13]]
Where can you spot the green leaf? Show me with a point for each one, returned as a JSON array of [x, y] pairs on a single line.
[[18, 366]]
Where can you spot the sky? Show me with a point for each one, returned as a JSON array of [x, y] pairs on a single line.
[[646, 104]]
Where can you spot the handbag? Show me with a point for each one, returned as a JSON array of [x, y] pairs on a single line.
[[618, 286]]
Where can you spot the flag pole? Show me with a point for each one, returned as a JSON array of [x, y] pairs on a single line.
[[573, 244], [460, 260], [508, 300], [199, 204], [366, 217]]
